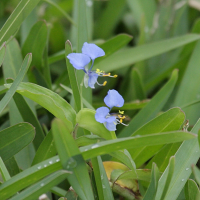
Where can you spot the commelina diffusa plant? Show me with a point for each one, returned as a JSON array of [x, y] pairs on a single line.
[[113, 98]]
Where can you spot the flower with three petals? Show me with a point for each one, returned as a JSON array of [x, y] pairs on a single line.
[[103, 115], [81, 60]]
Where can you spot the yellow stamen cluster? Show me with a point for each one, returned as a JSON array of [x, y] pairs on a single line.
[[100, 72], [121, 117]]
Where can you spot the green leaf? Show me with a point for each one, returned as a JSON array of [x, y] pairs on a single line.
[[49, 100], [28, 116], [89, 123], [3, 170], [190, 76], [46, 150], [34, 191], [13, 23], [36, 42], [169, 176], [152, 108], [28, 177], [25, 65], [170, 120], [15, 138], [72, 160], [189, 150], [106, 147], [130, 56], [151, 191], [191, 190], [72, 77], [2, 53], [102, 183]]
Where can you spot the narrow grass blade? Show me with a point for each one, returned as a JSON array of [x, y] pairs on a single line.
[[49, 100], [15, 138], [169, 176], [28, 177], [152, 108], [106, 147], [28, 116], [4, 172], [34, 191], [72, 77], [102, 183], [189, 150], [2, 53], [151, 191], [25, 65], [15, 20], [130, 56], [72, 160]]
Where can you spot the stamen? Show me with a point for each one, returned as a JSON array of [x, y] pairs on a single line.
[[106, 74], [104, 83], [115, 76], [121, 112]]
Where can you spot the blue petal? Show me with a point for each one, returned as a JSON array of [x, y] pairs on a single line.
[[92, 79], [111, 126], [111, 119], [78, 60], [92, 50], [101, 113], [113, 99]]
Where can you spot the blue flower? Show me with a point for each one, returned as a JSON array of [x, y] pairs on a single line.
[[81, 60], [103, 115]]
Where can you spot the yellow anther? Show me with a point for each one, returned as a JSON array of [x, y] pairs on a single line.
[[104, 83], [115, 76], [121, 120], [106, 74], [121, 112], [98, 70]]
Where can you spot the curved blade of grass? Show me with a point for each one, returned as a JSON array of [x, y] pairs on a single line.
[[15, 138], [151, 191], [28, 116], [2, 53], [43, 186], [13, 23], [189, 150], [106, 147], [130, 56], [72, 77], [152, 108], [192, 190], [169, 176], [25, 65], [29, 176], [49, 100], [72, 160]]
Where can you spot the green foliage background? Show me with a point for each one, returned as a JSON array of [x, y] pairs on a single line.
[[49, 138]]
